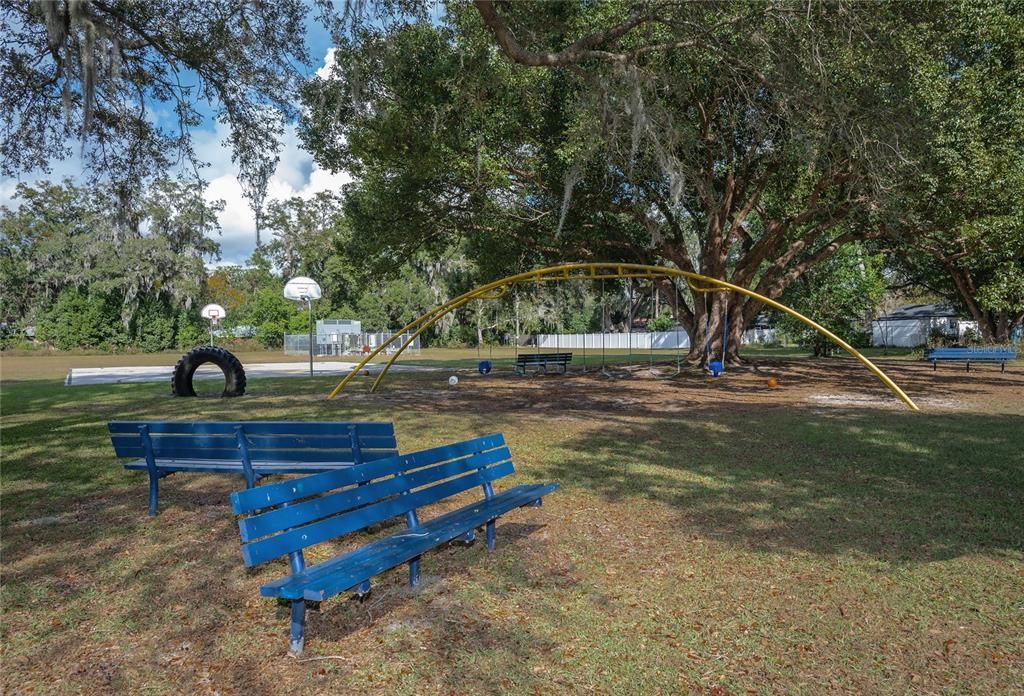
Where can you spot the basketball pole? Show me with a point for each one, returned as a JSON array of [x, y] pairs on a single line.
[[309, 305]]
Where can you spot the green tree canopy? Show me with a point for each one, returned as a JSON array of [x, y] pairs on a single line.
[[748, 142], [103, 75], [60, 246], [958, 229]]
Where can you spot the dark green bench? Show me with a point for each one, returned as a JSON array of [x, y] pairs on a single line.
[[542, 360], [283, 519], [252, 449]]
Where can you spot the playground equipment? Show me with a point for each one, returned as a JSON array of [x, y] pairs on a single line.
[[185, 370], [601, 271]]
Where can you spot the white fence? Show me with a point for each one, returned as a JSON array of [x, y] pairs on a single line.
[[639, 340], [344, 344]]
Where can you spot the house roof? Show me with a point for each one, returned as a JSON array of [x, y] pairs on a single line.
[[921, 311]]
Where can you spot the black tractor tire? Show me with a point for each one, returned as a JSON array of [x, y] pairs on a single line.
[[234, 373]]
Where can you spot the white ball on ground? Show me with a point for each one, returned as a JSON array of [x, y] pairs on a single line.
[[453, 380]]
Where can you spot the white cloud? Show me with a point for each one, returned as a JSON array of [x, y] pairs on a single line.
[[296, 175], [324, 72]]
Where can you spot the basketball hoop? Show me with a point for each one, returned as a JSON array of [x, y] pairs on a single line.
[[303, 289], [214, 313]]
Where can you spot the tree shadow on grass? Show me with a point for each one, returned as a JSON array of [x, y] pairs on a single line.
[[896, 486], [180, 597]]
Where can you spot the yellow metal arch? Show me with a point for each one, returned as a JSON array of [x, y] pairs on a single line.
[[595, 271]]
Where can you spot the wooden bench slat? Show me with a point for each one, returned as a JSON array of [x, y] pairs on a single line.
[[443, 530], [282, 455], [262, 442], [998, 354], [251, 427], [264, 550], [320, 442], [309, 511], [544, 357], [266, 468], [247, 501], [342, 573]]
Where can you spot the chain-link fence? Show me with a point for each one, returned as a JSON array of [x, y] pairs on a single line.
[[345, 343]]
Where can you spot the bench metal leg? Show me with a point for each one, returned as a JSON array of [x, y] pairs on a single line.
[[414, 572], [491, 536], [154, 490], [298, 628]]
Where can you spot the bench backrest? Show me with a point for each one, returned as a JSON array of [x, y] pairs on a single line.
[[284, 518], [976, 353], [543, 357], [264, 441]]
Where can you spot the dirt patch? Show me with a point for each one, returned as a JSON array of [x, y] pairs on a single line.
[[640, 390]]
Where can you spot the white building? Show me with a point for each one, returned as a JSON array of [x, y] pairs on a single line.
[[911, 325]]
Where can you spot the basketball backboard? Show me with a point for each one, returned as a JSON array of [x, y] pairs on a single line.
[[302, 288], [213, 312]]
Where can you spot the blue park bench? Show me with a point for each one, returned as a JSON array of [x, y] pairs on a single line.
[[285, 518], [969, 355], [253, 449]]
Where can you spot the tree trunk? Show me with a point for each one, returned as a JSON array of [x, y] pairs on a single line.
[[516, 304], [1002, 326], [709, 330]]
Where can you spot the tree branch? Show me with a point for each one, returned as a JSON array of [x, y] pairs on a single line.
[[576, 52]]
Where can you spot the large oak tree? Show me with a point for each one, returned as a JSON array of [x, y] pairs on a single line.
[[747, 142]]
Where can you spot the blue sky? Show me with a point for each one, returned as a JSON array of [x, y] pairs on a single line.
[[296, 175]]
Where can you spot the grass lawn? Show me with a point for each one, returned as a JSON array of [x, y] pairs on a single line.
[[20, 366], [710, 535]]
